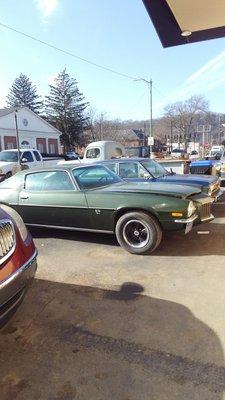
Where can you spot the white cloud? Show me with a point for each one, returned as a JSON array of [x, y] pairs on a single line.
[[210, 76], [46, 7]]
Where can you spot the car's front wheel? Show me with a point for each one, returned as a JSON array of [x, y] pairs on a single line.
[[138, 232]]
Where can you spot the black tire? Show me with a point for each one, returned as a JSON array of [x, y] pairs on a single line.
[[138, 232], [8, 175]]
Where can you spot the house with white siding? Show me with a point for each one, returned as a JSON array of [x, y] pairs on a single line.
[[34, 132]]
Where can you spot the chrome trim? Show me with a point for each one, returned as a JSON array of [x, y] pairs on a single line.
[[70, 228], [12, 306], [11, 251], [49, 205], [187, 220], [15, 274], [210, 218]]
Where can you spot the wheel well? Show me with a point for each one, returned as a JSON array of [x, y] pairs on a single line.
[[126, 210]]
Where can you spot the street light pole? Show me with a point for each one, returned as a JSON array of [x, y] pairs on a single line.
[[151, 139], [17, 138]]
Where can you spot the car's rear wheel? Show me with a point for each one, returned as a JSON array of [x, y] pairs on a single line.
[[138, 232]]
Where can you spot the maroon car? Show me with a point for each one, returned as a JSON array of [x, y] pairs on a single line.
[[17, 261]]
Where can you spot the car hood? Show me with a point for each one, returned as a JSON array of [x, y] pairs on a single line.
[[151, 188], [200, 180], [5, 163]]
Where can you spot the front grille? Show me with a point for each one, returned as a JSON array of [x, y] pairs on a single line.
[[205, 211], [7, 239], [201, 170]]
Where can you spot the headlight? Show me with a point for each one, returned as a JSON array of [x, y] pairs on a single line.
[[211, 188], [191, 208], [218, 167], [17, 219]]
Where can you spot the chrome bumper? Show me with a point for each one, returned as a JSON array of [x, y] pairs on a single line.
[[187, 220], [13, 288]]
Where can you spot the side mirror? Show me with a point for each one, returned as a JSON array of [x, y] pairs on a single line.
[[24, 160]]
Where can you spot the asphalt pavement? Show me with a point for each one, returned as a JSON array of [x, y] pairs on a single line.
[[99, 323]]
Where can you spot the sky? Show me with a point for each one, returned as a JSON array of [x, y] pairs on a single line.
[[115, 34]]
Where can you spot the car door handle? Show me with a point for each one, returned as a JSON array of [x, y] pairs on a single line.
[[24, 196]]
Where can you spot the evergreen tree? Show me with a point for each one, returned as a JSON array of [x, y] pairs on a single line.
[[65, 108], [24, 93]]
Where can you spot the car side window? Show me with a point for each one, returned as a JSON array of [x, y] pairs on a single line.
[[128, 170], [48, 181], [37, 155], [112, 167], [28, 156]]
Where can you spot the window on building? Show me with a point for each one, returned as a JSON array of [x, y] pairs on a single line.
[[40, 147], [52, 148], [25, 144], [9, 146], [28, 156], [48, 181]]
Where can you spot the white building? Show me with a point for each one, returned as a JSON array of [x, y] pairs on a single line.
[[34, 131]]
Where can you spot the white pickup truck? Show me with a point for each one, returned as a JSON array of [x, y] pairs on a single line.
[[99, 151], [9, 161]]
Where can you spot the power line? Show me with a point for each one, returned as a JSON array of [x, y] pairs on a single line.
[[67, 52]]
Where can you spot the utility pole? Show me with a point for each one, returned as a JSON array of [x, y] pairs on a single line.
[[150, 137], [17, 138]]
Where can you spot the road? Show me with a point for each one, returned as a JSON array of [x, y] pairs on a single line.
[[99, 323]]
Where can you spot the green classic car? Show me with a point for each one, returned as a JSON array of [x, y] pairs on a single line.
[[93, 198]]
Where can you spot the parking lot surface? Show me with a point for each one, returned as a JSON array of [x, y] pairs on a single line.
[[99, 323]]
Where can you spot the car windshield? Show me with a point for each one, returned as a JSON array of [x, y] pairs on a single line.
[[94, 177], [9, 156], [154, 168]]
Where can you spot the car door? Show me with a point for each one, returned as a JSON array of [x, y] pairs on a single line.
[[51, 198]]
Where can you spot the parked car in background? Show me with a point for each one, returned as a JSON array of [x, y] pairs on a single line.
[[194, 155], [17, 261], [99, 151], [177, 153], [222, 174], [208, 166], [93, 198], [142, 169], [71, 155], [9, 160]]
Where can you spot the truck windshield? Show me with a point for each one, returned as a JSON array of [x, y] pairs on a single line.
[[9, 156], [154, 168]]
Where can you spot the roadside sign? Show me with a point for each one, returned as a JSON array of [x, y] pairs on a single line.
[[150, 140]]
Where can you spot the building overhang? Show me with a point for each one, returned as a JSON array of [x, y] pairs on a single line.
[[180, 21]]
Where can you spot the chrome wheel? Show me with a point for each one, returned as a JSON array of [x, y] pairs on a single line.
[[136, 233]]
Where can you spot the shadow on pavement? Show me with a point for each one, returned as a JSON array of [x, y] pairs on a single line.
[[74, 342]]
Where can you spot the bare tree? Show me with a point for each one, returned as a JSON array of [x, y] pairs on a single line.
[[182, 114]]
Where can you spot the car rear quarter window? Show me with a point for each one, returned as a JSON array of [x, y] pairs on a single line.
[[112, 167], [37, 155], [48, 181]]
